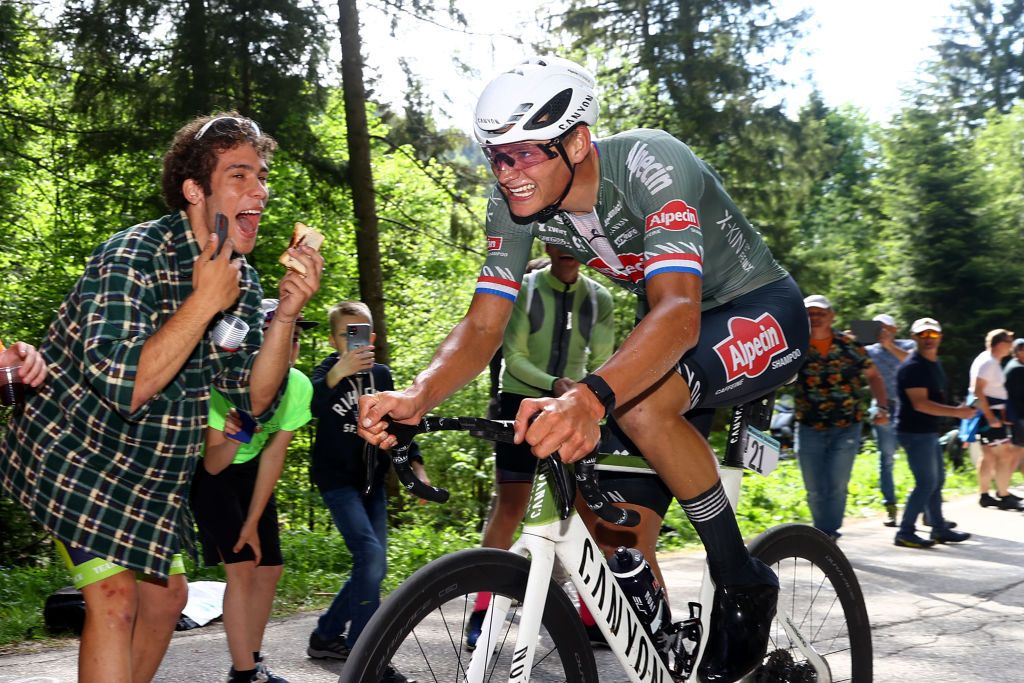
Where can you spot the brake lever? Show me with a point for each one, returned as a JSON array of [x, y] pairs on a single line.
[[562, 484], [596, 499]]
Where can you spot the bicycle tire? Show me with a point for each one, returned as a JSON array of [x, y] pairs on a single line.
[[814, 577], [429, 612]]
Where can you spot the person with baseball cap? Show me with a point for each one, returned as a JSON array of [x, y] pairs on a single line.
[[233, 503], [829, 413], [921, 384], [887, 354]]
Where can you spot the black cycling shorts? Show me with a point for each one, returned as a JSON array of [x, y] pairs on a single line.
[[747, 347], [517, 464], [221, 504], [513, 463]]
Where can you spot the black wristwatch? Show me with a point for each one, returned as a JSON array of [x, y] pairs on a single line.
[[602, 391]]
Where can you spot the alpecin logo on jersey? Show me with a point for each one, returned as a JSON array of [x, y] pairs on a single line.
[[674, 215], [493, 244], [632, 268], [750, 346]]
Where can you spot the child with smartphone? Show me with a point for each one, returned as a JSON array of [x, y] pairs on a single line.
[[352, 487], [233, 501]]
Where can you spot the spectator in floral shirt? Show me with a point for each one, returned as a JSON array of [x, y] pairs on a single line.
[[829, 412]]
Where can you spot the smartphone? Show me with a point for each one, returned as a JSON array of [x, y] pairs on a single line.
[[249, 427], [866, 331], [220, 226], [358, 335]]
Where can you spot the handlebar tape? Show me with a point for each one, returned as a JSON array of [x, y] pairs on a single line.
[[400, 458]]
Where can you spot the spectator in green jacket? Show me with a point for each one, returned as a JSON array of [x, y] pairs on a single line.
[[562, 326]]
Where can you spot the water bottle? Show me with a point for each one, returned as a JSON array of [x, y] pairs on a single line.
[[647, 596]]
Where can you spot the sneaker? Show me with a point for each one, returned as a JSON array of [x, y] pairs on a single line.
[[987, 501], [336, 648], [263, 668], [254, 676], [474, 628], [393, 675], [597, 638], [1009, 502], [946, 524], [913, 541], [948, 535], [890, 516]]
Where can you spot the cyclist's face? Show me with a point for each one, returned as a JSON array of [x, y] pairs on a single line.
[[530, 179]]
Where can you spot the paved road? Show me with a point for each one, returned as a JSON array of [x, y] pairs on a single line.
[[953, 613]]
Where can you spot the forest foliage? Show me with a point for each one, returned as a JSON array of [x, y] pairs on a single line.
[[916, 216]]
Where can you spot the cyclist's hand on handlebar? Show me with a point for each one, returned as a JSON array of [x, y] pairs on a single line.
[[566, 424], [374, 408]]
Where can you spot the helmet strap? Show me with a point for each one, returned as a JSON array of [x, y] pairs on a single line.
[[548, 213]]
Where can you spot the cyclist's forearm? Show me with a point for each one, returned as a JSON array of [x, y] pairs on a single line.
[[466, 351]]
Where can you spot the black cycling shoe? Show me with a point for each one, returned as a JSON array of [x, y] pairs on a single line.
[[741, 619]]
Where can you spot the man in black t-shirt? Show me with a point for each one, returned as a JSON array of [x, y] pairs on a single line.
[[921, 384]]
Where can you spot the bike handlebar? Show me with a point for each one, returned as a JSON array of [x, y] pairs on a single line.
[[504, 431]]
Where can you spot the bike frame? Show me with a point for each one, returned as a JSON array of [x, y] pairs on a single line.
[[546, 537]]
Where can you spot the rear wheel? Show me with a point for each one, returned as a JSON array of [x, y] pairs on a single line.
[[420, 628], [819, 591]]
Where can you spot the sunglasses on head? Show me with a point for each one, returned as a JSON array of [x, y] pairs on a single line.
[[239, 121], [929, 334]]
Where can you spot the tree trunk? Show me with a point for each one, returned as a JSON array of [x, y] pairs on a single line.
[[360, 175], [194, 42]]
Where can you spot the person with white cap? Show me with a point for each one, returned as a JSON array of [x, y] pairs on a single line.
[[829, 413], [887, 354], [921, 383]]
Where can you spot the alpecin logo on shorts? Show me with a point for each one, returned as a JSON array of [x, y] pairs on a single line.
[[750, 346]]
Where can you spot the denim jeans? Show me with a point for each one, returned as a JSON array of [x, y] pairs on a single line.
[[826, 460], [924, 455], [363, 523], [885, 439]]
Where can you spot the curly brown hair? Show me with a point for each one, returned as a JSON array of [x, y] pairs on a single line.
[[188, 157]]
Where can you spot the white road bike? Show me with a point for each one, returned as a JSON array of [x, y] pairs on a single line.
[[532, 630]]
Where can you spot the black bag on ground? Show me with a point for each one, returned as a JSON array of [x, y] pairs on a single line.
[[65, 611]]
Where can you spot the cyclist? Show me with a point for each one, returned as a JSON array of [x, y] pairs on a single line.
[[720, 322]]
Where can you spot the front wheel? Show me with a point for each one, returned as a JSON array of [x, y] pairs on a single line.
[[820, 593], [420, 628]]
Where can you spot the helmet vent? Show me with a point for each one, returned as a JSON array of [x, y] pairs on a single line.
[[553, 110]]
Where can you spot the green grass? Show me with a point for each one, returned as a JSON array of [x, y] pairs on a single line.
[[317, 563]]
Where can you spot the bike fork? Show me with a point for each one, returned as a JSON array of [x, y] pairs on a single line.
[[541, 552]]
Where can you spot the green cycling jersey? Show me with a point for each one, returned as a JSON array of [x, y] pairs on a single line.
[[556, 330], [659, 209]]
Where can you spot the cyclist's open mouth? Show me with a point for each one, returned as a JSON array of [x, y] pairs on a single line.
[[521, 192]]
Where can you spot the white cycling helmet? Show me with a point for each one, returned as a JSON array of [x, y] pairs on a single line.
[[540, 99]]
